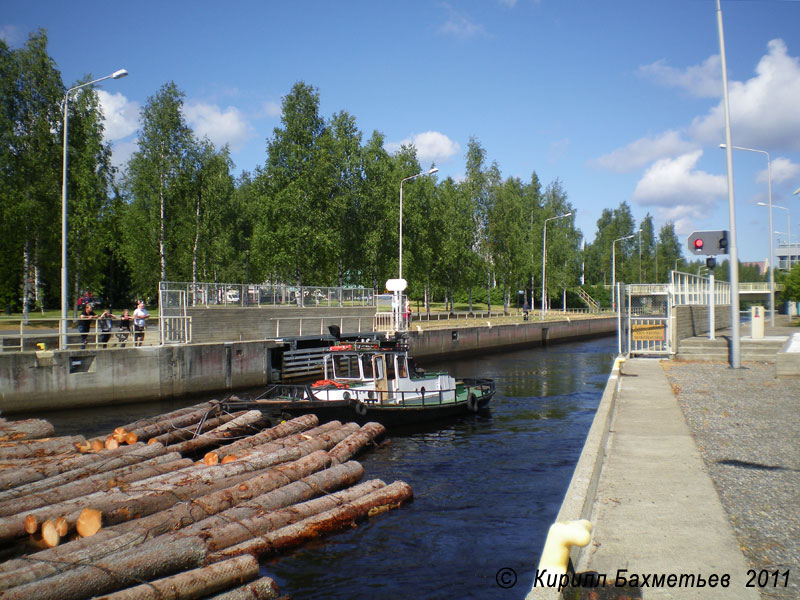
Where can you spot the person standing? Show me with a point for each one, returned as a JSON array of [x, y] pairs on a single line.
[[140, 316], [124, 327], [106, 322], [85, 322]]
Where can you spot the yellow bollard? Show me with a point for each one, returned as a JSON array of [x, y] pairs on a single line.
[[555, 555]]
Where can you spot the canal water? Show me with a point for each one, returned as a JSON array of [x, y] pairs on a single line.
[[486, 487]]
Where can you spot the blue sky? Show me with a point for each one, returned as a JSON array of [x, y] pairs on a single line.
[[620, 100]]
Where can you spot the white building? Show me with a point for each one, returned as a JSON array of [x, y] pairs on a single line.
[[787, 255]]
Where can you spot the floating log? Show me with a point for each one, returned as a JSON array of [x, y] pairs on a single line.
[[73, 467], [224, 534], [158, 465], [283, 430], [26, 429], [114, 572], [64, 557], [187, 433], [355, 442], [323, 482], [343, 516], [260, 589], [193, 584], [247, 423], [39, 447], [173, 421]]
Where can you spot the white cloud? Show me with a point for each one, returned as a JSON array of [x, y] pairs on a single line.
[[122, 151], [228, 126], [460, 25], [121, 115], [431, 146], [271, 109], [764, 109], [679, 192], [783, 170], [644, 151], [704, 81]]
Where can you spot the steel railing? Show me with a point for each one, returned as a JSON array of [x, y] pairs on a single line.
[[270, 295]]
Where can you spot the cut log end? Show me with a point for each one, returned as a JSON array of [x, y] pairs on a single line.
[[97, 445], [229, 458], [89, 522], [131, 438], [31, 524], [50, 535], [211, 458], [111, 443], [83, 447], [120, 434], [62, 527]]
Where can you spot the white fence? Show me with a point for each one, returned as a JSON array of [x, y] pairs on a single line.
[[269, 294]]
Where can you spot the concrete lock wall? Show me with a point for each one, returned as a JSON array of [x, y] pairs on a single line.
[[31, 381], [448, 342], [692, 320], [236, 323]]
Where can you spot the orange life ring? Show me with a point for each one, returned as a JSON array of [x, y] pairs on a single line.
[[324, 382]]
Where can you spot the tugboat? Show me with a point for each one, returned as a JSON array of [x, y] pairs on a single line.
[[376, 381]]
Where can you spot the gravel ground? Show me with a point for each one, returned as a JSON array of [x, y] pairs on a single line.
[[746, 424]]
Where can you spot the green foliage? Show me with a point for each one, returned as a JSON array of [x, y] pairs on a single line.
[[792, 283]]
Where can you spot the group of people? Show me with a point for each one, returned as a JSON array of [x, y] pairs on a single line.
[[106, 324]]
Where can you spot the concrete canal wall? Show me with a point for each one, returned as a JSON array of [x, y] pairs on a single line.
[[473, 340], [52, 380]]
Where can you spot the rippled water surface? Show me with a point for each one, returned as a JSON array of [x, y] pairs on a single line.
[[486, 487]]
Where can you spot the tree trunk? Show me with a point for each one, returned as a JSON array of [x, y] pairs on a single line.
[[246, 424], [283, 431], [226, 534], [338, 518], [115, 571], [101, 481], [195, 583], [33, 479], [260, 589], [27, 429], [355, 442], [37, 448], [187, 433]]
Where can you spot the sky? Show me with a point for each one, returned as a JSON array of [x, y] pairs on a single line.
[[619, 100]]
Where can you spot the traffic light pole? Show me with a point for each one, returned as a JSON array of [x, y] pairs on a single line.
[[735, 357]]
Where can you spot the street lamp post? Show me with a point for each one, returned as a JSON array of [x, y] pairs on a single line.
[[614, 269], [62, 324], [400, 261], [544, 260], [771, 244]]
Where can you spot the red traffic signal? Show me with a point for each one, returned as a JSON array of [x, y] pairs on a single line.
[[709, 243]]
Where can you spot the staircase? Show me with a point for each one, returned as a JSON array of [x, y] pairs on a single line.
[[717, 350], [594, 305]]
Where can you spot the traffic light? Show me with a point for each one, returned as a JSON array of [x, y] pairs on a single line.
[[709, 243]]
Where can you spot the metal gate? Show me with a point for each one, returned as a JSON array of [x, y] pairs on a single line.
[[644, 326]]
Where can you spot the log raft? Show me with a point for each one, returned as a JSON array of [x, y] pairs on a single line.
[[132, 515]]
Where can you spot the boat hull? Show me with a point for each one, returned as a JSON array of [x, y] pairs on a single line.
[[389, 414]]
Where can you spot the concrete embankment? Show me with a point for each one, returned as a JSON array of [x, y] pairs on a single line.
[[655, 512], [52, 380]]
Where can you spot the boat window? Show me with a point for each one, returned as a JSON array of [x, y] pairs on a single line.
[[369, 373], [345, 366], [390, 367], [402, 369], [377, 364]]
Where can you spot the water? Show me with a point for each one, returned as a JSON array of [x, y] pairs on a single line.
[[486, 487]]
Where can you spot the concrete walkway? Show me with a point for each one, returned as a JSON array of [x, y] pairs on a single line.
[[656, 511]]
